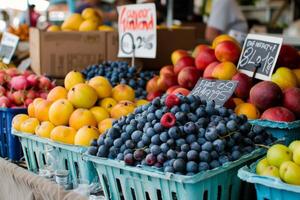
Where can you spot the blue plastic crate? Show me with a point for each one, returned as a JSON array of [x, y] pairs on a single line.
[[122, 182], [269, 188], [69, 157], [289, 131], [10, 146]]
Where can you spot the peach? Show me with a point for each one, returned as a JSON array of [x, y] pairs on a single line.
[[171, 89], [244, 85], [152, 85], [204, 58], [30, 110], [169, 69], [165, 81], [233, 102], [99, 113], [29, 125], [228, 51], [123, 108], [42, 110], [56, 93], [141, 102], [209, 69], [123, 92], [224, 71], [183, 62], [18, 120], [291, 100], [73, 78], [265, 94], [284, 78], [247, 109], [105, 124], [86, 135], [102, 86], [222, 38], [108, 103], [82, 96], [278, 114], [82, 117], [44, 129], [60, 112], [188, 77], [182, 91], [177, 54], [63, 134], [198, 49]]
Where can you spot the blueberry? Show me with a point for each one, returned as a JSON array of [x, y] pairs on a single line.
[[210, 110], [161, 158], [214, 155], [192, 155], [195, 146], [192, 117], [150, 159], [257, 129], [118, 142], [171, 142], [190, 128], [164, 137], [151, 109], [94, 143], [247, 141], [140, 144], [201, 132], [232, 125], [108, 142], [120, 156], [185, 147], [136, 136], [185, 108], [258, 139], [223, 111], [139, 154], [214, 164], [175, 109], [113, 152], [113, 133], [158, 114], [204, 156], [211, 134], [169, 169], [192, 166], [210, 103], [164, 147], [219, 145], [155, 150], [129, 129], [156, 102], [181, 117], [123, 148], [146, 139], [182, 155], [140, 126], [102, 151], [233, 116], [221, 128], [223, 159], [230, 142], [174, 132], [202, 122], [100, 140], [158, 127], [237, 136], [200, 112], [180, 142], [151, 117], [179, 165], [171, 154], [155, 139], [191, 138], [150, 132], [201, 141], [207, 146], [236, 155], [92, 150], [203, 166], [129, 144]]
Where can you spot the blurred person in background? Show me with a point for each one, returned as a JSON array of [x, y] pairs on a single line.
[[225, 16], [33, 16]]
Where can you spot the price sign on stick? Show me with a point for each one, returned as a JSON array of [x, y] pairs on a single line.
[[137, 30], [259, 56], [214, 90], [8, 46]]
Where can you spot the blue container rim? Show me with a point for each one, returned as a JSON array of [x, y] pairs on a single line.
[[12, 110], [274, 124], [152, 171], [248, 174]]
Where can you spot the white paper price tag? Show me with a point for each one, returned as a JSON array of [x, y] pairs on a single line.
[[137, 30], [8, 46]]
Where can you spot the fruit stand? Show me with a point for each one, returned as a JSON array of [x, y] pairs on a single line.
[[91, 116]]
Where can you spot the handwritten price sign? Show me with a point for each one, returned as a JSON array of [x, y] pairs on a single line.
[[137, 30], [261, 52], [214, 90]]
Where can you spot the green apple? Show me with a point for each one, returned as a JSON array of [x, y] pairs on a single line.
[[261, 165], [294, 144], [296, 155], [290, 172], [271, 171], [277, 154]]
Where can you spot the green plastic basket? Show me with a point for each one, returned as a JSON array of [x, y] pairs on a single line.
[[122, 182], [68, 157]]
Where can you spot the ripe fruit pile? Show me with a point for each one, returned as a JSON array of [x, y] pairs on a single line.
[[79, 112], [217, 62], [120, 72], [19, 89], [180, 135], [22, 31], [88, 20], [282, 162]]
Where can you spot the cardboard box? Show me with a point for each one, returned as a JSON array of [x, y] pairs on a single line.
[[57, 53], [168, 40]]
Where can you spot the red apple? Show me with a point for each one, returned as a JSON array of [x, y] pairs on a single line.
[[228, 51], [169, 69], [198, 49], [244, 85], [278, 114], [152, 95], [165, 81], [182, 91], [171, 89], [188, 77], [209, 69], [177, 54], [183, 62], [204, 58], [152, 85], [291, 100]]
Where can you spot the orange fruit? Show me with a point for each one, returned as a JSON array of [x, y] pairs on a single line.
[[30, 110], [247, 109], [56, 93], [82, 117], [41, 110]]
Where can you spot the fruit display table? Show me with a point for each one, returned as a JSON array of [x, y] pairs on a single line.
[[28, 186]]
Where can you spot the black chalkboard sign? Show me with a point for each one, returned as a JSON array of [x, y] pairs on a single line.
[[217, 90], [259, 56]]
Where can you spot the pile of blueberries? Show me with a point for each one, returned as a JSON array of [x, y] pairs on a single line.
[[180, 134], [120, 72]]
